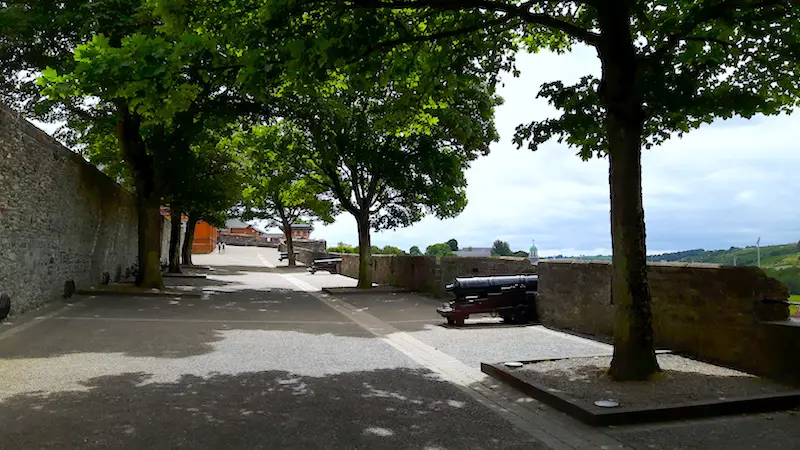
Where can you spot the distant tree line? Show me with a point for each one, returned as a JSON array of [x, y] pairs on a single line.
[[744, 256], [375, 250]]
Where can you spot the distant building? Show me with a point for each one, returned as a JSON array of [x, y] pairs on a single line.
[[205, 238], [302, 230], [205, 235], [238, 228], [474, 252]]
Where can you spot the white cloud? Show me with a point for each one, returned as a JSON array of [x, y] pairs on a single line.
[[721, 185]]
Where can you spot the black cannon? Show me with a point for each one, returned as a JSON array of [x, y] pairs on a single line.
[[329, 264], [512, 297]]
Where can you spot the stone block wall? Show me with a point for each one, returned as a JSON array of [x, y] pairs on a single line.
[[711, 312], [707, 311], [60, 218], [424, 273], [249, 241]]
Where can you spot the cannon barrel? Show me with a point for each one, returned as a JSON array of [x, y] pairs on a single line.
[[483, 285]]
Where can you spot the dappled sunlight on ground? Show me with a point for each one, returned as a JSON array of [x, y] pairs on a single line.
[[235, 352], [270, 409]]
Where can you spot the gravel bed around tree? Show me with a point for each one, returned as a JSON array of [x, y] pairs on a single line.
[[682, 380]]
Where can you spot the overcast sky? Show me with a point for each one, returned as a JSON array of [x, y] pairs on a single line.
[[722, 185]]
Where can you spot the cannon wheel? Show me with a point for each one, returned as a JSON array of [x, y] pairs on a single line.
[[521, 315]]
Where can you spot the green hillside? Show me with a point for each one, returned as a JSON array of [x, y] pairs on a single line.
[[781, 262], [771, 256]]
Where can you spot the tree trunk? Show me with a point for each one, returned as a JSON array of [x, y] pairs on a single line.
[[148, 199], [287, 233], [149, 217], [175, 239], [364, 254], [620, 91], [188, 239]]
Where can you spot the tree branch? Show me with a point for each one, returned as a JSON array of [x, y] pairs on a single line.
[[432, 37], [705, 14], [511, 11]]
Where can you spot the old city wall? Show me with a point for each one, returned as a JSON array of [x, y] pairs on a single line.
[[422, 273], [60, 218], [711, 312]]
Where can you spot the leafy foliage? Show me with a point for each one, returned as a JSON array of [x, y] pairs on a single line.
[[375, 250], [341, 247], [414, 251], [771, 255], [277, 189], [390, 174], [453, 244], [439, 250], [501, 248], [207, 182]]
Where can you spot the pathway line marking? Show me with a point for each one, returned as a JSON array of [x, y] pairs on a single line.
[[467, 379], [264, 261]]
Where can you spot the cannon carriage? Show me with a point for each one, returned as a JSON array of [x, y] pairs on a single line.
[[332, 265], [512, 297], [285, 255]]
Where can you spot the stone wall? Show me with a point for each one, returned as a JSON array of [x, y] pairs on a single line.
[[707, 311], [317, 246], [248, 241], [60, 218], [711, 312], [424, 273]]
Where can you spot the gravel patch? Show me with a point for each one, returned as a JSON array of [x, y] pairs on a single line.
[[681, 380]]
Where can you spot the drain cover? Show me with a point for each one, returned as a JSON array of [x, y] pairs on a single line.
[[513, 364], [606, 403]]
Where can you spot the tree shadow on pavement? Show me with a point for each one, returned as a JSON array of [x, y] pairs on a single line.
[[381, 409]]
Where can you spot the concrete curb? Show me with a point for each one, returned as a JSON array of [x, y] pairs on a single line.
[[373, 290], [185, 275], [626, 416], [140, 292]]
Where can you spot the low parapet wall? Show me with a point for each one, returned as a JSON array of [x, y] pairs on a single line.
[[711, 312], [708, 311]]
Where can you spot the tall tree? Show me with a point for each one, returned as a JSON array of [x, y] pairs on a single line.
[[277, 189], [205, 183], [453, 244], [130, 66], [439, 250], [501, 248], [666, 67], [371, 153]]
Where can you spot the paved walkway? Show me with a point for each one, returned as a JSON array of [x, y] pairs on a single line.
[[265, 360]]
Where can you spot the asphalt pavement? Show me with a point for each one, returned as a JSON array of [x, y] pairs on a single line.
[[264, 360], [253, 363]]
